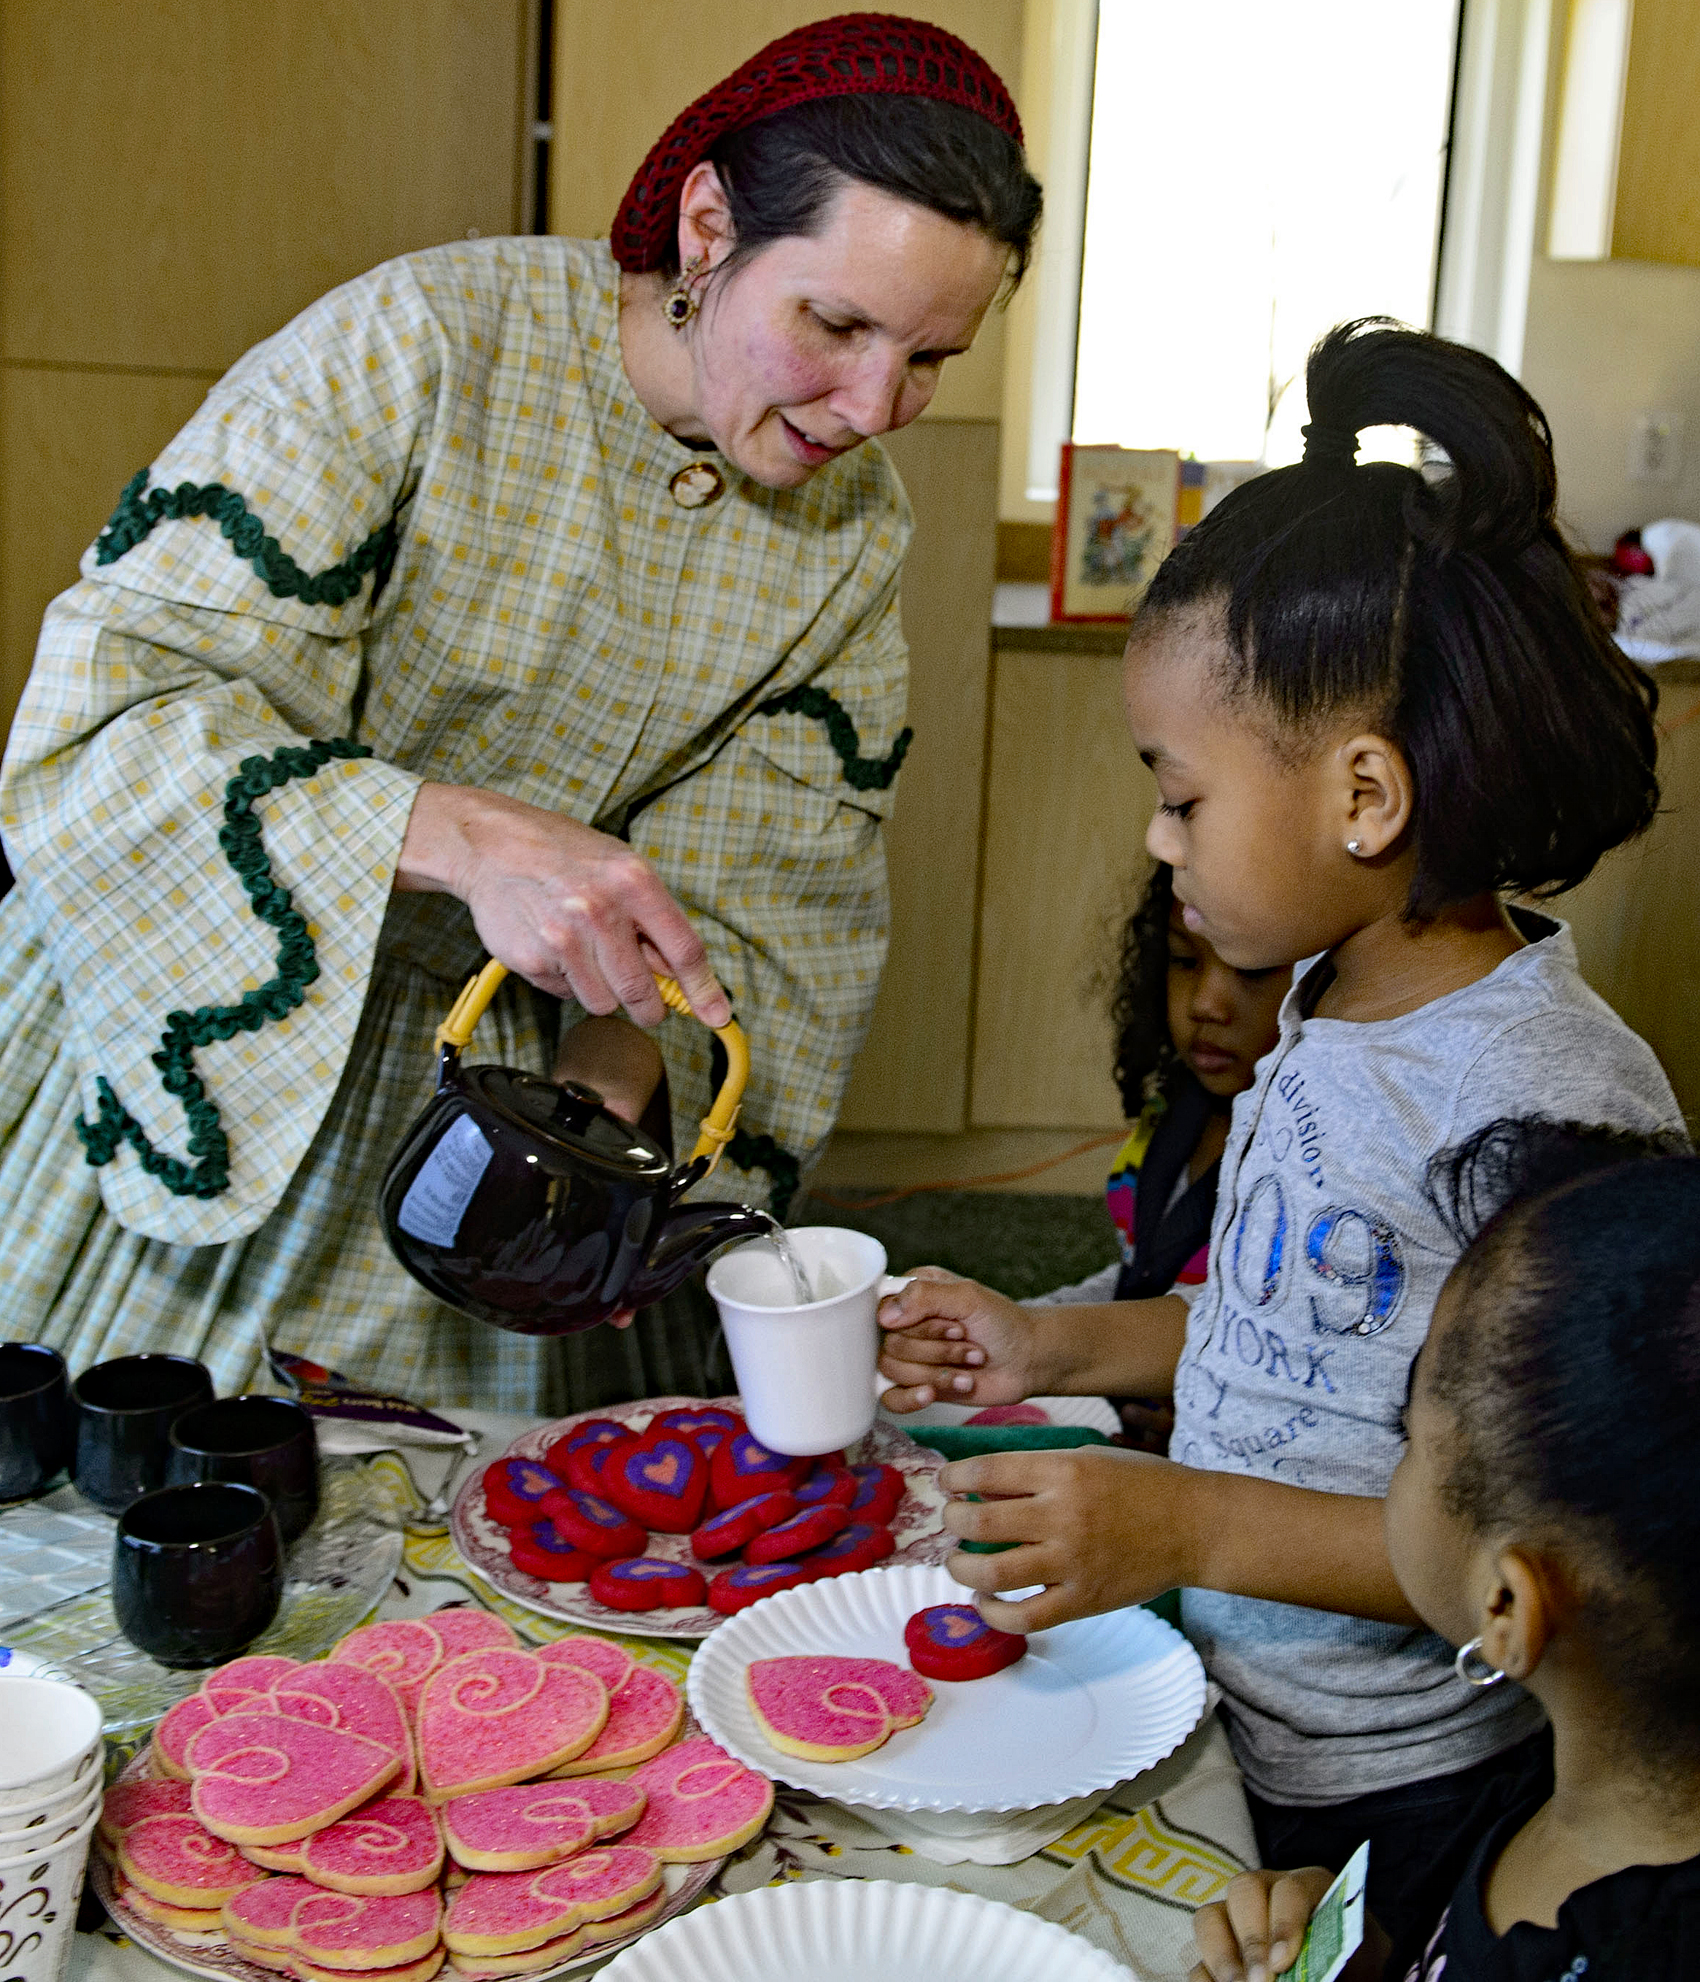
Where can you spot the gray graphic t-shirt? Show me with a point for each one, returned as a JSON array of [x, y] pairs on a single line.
[[1326, 1259]]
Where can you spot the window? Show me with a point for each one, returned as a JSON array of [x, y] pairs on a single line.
[[1258, 172]]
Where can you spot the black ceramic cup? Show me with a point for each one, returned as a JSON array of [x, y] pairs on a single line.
[[37, 1430], [197, 1571], [264, 1442], [125, 1411]]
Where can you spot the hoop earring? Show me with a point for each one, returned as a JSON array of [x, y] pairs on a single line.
[[1354, 846], [1487, 1675], [679, 304]]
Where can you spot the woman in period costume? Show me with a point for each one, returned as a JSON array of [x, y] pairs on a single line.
[[528, 596]]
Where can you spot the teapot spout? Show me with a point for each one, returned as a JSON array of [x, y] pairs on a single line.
[[690, 1236]]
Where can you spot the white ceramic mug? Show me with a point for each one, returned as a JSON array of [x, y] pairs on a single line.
[[806, 1373], [39, 1892], [50, 1739]]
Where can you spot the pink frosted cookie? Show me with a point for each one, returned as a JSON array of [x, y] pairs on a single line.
[[174, 1733], [530, 1825], [233, 1685], [544, 1552], [953, 1641], [127, 1803], [829, 1485], [498, 1913], [391, 1846], [619, 1926], [746, 1583], [707, 1426], [466, 1628], [179, 1919], [797, 1536], [404, 1652], [702, 1804], [525, 1961], [833, 1709], [266, 1779], [660, 1480], [176, 1859], [421, 1970], [726, 1533], [333, 1693], [742, 1467], [501, 1716], [263, 1916], [363, 1930], [644, 1712], [647, 1582], [279, 1959], [1011, 1414], [879, 1493], [610, 1662], [276, 1857], [859, 1546]]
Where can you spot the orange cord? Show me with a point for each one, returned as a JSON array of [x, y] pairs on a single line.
[[1668, 730], [968, 1183]]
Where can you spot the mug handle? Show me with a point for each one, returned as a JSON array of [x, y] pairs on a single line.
[[890, 1283]]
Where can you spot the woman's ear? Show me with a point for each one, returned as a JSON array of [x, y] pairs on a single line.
[[1523, 1606], [1378, 793], [705, 217]]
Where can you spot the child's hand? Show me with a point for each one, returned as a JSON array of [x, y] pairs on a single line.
[[954, 1340], [1254, 1931], [1098, 1527]]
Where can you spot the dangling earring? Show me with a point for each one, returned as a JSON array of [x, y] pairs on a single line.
[[679, 304], [1486, 1675], [1354, 846]]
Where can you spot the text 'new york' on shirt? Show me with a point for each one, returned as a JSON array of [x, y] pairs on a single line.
[[1326, 1258]]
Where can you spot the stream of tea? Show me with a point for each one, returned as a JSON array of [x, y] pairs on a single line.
[[789, 1258]]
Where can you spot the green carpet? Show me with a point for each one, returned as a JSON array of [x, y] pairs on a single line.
[[1020, 1244]]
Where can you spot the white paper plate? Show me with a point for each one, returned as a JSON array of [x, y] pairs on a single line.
[[861, 1930], [1092, 1703], [1095, 1413]]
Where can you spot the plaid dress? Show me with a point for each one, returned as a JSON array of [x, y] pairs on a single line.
[[427, 524]]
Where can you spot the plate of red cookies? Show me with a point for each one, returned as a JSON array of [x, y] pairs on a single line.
[[663, 1518], [432, 1797]]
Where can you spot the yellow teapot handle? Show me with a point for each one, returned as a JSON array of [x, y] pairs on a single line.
[[717, 1125]]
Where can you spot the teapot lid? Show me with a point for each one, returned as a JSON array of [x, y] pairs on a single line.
[[570, 1117]]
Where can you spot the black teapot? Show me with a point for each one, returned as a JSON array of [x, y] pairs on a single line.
[[523, 1201]]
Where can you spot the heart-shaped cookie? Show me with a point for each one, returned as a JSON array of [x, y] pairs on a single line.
[[829, 1485], [544, 1552], [403, 1652], [660, 1480], [591, 1522], [617, 1926], [466, 1628], [234, 1684], [532, 1824], [502, 1716], [746, 1583], [644, 1712], [701, 1803], [264, 1915], [266, 1779], [526, 1961], [723, 1534], [391, 1846], [175, 1731], [647, 1582], [364, 1931], [127, 1803], [879, 1493], [334, 1693], [498, 1913], [610, 1662], [953, 1641], [707, 1426], [421, 1970], [180, 1862], [515, 1490], [584, 1444], [859, 1546], [179, 1919], [833, 1709], [277, 1857], [796, 1536], [743, 1467]]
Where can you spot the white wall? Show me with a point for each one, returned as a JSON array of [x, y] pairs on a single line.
[[1605, 341]]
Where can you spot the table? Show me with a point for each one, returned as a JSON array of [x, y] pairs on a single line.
[[1127, 1879]]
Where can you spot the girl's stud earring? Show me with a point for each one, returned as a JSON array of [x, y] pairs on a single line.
[[1482, 1674], [1354, 846], [679, 304]]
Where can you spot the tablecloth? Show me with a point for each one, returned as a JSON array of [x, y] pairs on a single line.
[[1127, 1879]]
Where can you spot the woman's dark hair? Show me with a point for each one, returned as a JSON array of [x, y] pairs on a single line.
[[1573, 1385], [1446, 605], [1139, 1005], [781, 173]]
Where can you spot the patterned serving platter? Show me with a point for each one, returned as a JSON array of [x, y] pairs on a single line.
[[918, 1527]]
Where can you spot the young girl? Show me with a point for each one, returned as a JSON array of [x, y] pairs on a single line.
[[1375, 701], [1545, 1518], [1189, 1031]]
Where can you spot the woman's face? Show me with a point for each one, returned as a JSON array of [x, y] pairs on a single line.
[[1222, 1020], [821, 341]]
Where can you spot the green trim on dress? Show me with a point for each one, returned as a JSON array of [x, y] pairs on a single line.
[[860, 773]]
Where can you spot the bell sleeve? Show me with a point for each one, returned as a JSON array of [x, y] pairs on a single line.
[[204, 853], [774, 848]]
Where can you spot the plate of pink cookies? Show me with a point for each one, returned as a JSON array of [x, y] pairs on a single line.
[[432, 1798], [668, 1504]]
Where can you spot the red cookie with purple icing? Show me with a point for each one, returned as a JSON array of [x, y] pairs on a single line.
[[544, 1552], [647, 1582], [829, 1485], [879, 1493], [707, 1426], [743, 1467], [595, 1524], [859, 1546], [725, 1534], [797, 1536], [953, 1641], [515, 1489], [659, 1479], [578, 1456], [746, 1583]]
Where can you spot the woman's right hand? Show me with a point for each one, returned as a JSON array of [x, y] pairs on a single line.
[[1253, 1932], [573, 911]]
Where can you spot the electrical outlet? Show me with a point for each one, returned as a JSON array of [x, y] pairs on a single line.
[[1655, 447]]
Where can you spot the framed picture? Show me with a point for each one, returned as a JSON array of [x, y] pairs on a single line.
[[1115, 524]]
